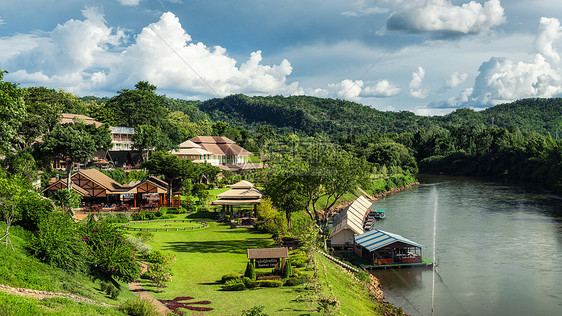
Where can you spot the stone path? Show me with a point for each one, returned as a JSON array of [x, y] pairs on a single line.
[[38, 294]]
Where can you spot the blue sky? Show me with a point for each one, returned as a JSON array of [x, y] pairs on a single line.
[[429, 57]]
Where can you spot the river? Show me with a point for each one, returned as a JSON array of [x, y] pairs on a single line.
[[498, 248]]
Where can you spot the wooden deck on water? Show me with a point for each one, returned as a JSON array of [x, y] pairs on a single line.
[[425, 263]]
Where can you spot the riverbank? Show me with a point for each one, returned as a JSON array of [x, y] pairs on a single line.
[[372, 197]]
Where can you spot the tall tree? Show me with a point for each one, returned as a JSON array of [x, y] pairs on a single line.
[[13, 189], [318, 170], [171, 167], [12, 112], [140, 106], [76, 142]]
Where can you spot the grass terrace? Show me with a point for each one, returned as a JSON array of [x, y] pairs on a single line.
[[204, 256]]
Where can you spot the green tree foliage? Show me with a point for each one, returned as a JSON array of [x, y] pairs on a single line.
[[171, 167], [76, 143], [97, 247], [12, 112], [323, 170], [66, 199], [144, 110], [13, 190], [390, 153], [269, 219], [57, 243]]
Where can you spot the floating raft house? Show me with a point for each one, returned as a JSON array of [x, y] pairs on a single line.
[[387, 250]]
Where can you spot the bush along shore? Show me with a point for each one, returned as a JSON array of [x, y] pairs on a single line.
[[380, 188]]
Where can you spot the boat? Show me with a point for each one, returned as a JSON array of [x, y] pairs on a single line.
[[380, 214]]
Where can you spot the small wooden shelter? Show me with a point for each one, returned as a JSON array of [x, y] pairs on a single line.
[[269, 257], [240, 193]]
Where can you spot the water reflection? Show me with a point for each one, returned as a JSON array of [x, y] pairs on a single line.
[[498, 248]]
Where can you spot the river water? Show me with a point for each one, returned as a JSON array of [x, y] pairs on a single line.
[[498, 248]]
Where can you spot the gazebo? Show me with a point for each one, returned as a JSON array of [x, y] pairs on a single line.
[[240, 193]]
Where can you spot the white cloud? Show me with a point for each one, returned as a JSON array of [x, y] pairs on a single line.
[[129, 2], [363, 7], [442, 17], [455, 80], [2, 21], [347, 89], [382, 89], [356, 90], [504, 80], [415, 86], [87, 56], [549, 31]]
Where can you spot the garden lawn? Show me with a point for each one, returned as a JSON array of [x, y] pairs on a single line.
[[203, 256]]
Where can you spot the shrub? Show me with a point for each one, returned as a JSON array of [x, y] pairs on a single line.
[[250, 270], [141, 248], [111, 290], [57, 243], [33, 210], [144, 236], [297, 280], [176, 210], [139, 307], [249, 283], [159, 257], [230, 276], [254, 311], [110, 255], [288, 269], [269, 283], [299, 259], [234, 285], [159, 274]]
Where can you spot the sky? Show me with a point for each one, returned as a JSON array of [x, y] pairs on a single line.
[[429, 57]]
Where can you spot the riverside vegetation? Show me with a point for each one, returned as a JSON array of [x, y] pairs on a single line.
[[316, 152]]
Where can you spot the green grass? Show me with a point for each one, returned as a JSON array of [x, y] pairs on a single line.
[[349, 196], [204, 256], [165, 224], [21, 269], [254, 159], [353, 297], [24, 306]]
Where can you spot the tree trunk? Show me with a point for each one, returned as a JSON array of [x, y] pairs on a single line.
[[69, 166]]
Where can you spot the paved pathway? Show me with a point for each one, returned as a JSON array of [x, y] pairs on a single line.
[[139, 291]]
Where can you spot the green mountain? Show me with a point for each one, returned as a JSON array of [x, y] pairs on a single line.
[[332, 116]]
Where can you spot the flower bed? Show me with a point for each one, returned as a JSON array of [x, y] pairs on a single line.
[[176, 303]]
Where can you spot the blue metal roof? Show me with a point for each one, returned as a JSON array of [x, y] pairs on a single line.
[[375, 239]]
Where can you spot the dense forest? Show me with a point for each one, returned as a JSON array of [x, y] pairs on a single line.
[[309, 115]]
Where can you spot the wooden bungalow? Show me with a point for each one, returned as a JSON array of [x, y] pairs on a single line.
[[97, 188], [93, 185], [384, 248], [349, 223], [240, 193]]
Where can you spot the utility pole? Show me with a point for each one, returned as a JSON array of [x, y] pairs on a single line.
[[492, 122]]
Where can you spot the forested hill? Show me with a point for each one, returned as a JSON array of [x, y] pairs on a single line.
[[309, 115], [332, 116], [533, 115]]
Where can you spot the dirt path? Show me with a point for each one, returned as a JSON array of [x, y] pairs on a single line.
[[139, 291], [38, 294]]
